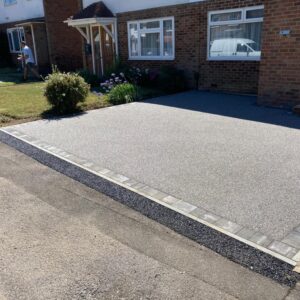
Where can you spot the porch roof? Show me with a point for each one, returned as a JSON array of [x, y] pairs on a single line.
[[95, 10], [30, 21], [96, 13]]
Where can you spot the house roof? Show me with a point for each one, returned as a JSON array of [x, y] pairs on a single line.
[[95, 10]]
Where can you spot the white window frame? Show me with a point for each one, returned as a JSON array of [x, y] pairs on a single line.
[[9, 32], [243, 20], [152, 30], [11, 2]]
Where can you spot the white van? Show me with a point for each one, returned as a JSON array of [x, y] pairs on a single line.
[[234, 47]]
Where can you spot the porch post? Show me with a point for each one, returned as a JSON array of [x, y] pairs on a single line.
[[88, 34], [93, 48], [34, 45], [115, 29], [101, 50]]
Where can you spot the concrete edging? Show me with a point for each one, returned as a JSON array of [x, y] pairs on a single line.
[[254, 250]]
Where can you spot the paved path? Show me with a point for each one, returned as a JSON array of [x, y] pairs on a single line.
[[219, 152], [62, 240]]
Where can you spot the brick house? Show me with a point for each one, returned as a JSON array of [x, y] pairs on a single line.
[[24, 23], [40, 24], [249, 46]]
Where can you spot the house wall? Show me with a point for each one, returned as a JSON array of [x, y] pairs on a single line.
[[191, 46], [65, 43], [40, 35], [279, 83], [22, 10]]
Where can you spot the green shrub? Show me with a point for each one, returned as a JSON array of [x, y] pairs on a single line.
[[90, 78], [171, 80], [122, 93], [65, 90]]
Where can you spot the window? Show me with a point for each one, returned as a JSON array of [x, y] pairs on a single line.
[[235, 34], [9, 2], [151, 39], [15, 37]]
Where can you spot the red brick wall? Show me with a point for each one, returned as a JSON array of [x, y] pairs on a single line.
[[41, 44], [279, 82], [65, 43], [191, 46]]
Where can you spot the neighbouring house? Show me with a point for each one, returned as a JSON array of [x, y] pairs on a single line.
[[24, 20], [40, 24], [250, 46]]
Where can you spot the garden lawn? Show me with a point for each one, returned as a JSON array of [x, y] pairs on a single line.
[[25, 102]]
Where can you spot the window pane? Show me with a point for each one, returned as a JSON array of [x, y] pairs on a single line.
[[256, 13], [232, 16], [150, 25], [168, 38], [133, 34], [16, 40], [150, 44], [22, 34], [242, 40]]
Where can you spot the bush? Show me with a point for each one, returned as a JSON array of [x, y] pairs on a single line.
[[171, 79], [122, 93], [65, 90], [90, 78], [141, 77], [168, 79]]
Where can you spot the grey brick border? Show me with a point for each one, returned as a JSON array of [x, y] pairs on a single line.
[[275, 259]]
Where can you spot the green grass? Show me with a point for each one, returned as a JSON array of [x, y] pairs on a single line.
[[24, 102]]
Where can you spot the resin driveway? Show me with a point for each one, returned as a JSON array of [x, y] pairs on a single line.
[[219, 152]]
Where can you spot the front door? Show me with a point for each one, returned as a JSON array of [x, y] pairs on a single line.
[[107, 50], [102, 50]]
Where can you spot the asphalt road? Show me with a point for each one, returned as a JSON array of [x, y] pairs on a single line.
[[62, 240], [219, 152]]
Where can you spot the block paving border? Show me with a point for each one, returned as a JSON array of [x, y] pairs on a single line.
[[287, 250]]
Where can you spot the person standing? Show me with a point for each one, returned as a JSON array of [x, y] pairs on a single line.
[[29, 62]]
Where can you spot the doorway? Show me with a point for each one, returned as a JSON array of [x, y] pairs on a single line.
[[102, 50]]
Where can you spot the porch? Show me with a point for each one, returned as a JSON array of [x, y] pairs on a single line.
[[35, 35], [98, 26]]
